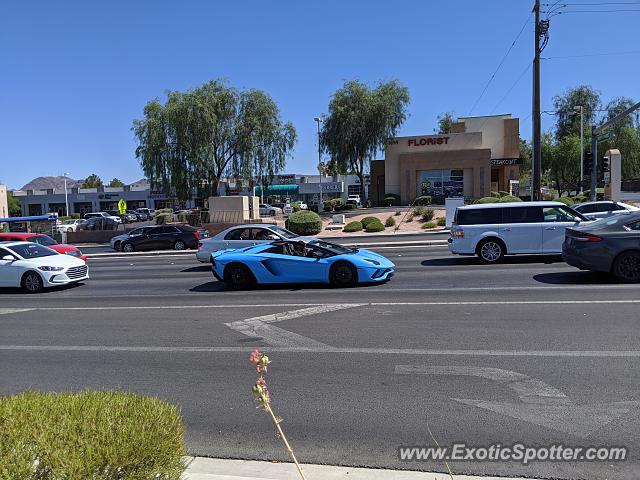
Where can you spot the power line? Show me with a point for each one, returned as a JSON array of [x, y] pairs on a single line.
[[484, 90], [632, 52], [595, 11], [589, 4]]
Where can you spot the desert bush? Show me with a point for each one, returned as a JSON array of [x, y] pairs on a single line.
[[509, 199], [427, 215], [336, 203], [422, 200], [304, 222], [488, 200], [390, 222], [441, 222], [568, 201], [398, 213], [162, 218], [428, 225], [376, 226], [367, 220], [352, 227], [102, 435], [503, 194], [391, 199], [495, 195]]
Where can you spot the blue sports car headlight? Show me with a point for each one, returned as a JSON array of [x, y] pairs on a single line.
[[370, 260]]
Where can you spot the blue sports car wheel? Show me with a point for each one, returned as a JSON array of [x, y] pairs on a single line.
[[343, 274], [238, 276]]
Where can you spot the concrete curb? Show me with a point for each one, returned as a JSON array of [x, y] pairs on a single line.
[[201, 468], [162, 253]]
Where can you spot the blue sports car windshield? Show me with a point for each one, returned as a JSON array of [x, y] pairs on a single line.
[[332, 247]]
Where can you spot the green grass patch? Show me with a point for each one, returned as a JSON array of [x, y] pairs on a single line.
[[101, 435]]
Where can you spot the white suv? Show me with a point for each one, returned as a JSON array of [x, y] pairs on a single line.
[[497, 229], [87, 216]]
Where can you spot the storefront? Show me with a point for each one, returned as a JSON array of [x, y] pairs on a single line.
[[480, 155]]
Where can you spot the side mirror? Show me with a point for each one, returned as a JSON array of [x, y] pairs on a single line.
[[8, 258]]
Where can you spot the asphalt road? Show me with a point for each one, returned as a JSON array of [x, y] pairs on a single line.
[[530, 351]]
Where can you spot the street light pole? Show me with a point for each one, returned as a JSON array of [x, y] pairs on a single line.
[[580, 108], [66, 197], [320, 203]]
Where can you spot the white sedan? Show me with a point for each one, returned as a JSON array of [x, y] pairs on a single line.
[[35, 267], [70, 225], [241, 236]]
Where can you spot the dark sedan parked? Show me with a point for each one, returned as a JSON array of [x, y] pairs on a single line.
[[162, 237], [609, 245]]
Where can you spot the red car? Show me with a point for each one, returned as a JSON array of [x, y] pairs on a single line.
[[44, 240]]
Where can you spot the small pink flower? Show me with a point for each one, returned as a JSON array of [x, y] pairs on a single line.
[[255, 357]]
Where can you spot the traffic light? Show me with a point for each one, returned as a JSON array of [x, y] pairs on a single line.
[[606, 164], [588, 163]]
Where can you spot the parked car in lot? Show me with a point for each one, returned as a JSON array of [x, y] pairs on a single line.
[[99, 223], [355, 200], [241, 236], [304, 260], [115, 218], [69, 226], [44, 240], [609, 245], [128, 216], [35, 267], [302, 205], [162, 237], [146, 213], [603, 209], [492, 231], [268, 210]]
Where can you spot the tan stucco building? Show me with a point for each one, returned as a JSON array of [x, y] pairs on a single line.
[[479, 156]]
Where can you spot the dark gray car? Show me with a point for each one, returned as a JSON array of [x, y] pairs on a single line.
[[609, 245]]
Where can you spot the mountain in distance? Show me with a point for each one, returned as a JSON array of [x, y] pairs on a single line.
[[43, 183]]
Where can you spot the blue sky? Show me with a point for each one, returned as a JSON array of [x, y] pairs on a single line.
[[74, 74]]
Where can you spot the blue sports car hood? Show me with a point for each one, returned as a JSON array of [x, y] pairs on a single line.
[[368, 255]]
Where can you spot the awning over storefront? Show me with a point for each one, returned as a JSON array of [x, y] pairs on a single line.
[[278, 190]]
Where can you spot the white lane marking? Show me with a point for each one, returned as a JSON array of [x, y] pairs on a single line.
[[260, 326], [5, 311], [528, 389], [338, 306], [333, 350], [540, 403]]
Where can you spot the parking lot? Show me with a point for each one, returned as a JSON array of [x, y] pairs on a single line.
[[356, 373]]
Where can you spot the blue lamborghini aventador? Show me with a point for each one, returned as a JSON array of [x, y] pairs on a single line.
[[306, 260]]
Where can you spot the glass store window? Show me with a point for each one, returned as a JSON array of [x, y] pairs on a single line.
[[447, 183]]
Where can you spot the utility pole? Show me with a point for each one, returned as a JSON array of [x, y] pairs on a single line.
[[536, 167], [580, 109], [66, 196], [320, 203], [595, 131]]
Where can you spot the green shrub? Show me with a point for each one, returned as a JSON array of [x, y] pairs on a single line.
[[548, 197], [503, 194], [398, 213], [422, 200], [296, 207], [163, 218], [352, 227], [367, 220], [495, 194], [488, 200], [509, 199], [441, 222], [427, 215], [336, 203], [376, 226], [580, 199], [102, 435], [75, 216], [391, 199], [428, 225], [417, 211], [348, 206], [304, 222], [327, 207], [390, 222], [566, 200]]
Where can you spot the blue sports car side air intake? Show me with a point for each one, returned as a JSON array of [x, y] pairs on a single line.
[[306, 260]]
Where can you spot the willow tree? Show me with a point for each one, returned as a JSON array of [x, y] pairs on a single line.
[[360, 121], [199, 136]]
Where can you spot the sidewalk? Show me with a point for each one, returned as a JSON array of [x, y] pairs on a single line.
[[202, 468]]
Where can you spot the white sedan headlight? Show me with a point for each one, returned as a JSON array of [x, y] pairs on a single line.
[[50, 269]]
